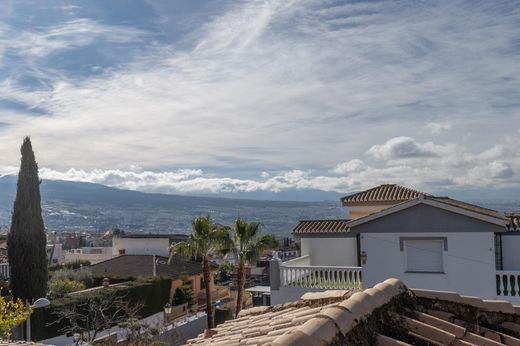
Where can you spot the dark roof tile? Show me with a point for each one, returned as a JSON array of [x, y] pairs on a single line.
[[382, 193]]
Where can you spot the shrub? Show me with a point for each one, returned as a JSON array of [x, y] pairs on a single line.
[[82, 275], [153, 293], [12, 313], [60, 287], [70, 265]]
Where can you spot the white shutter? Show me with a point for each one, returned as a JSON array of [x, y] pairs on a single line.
[[424, 255]]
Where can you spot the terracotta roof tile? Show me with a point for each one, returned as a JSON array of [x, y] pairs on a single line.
[[334, 314], [321, 226], [382, 193]]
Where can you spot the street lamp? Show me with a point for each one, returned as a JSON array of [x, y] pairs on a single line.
[[167, 308], [39, 303]]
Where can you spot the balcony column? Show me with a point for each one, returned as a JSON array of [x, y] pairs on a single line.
[[274, 271]]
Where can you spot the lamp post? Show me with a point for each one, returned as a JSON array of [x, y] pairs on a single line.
[[39, 303], [167, 312]]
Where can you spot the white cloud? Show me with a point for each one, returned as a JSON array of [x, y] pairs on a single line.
[[352, 166], [437, 128], [403, 148], [277, 85]]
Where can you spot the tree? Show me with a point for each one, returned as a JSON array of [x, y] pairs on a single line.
[[247, 245], [206, 238], [12, 313], [99, 311], [26, 242]]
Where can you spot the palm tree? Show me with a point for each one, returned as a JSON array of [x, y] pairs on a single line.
[[205, 238], [247, 245]]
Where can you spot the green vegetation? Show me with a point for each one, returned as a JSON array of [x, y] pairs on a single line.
[[206, 237], [224, 272], [149, 295], [83, 275], [26, 240], [59, 288], [247, 245], [184, 294], [71, 265], [12, 313]]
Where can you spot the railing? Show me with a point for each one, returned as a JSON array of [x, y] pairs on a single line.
[[324, 277], [508, 283], [4, 270], [304, 260]]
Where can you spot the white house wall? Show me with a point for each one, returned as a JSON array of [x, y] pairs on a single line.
[[469, 262], [141, 246], [511, 251], [330, 251]]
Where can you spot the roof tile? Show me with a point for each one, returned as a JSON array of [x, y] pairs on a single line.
[[382, 193]]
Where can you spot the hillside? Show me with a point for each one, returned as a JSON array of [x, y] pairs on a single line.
[[68, 205]]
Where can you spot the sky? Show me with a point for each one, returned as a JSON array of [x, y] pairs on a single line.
[[263, 96]]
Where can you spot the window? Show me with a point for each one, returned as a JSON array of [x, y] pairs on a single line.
[[122, 251], [424, 255]]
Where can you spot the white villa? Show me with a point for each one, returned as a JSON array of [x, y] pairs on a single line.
[[428, 242]]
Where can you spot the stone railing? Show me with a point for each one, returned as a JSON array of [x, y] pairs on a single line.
[[4, 270], [320, 277], [508, 283]]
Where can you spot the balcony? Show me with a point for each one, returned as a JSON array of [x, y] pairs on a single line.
[[298, 276], [508, 284]]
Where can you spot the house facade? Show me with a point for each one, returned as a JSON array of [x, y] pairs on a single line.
[[427, 242]]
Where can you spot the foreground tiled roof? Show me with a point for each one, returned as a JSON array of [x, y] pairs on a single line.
[[387, 314], [142, 266], [321, 226], [382, 193]]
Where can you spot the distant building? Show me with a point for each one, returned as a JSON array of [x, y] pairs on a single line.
[[145, 244]]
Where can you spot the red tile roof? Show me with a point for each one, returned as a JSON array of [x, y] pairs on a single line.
[[382, 193], [321, 226], [387, 314]]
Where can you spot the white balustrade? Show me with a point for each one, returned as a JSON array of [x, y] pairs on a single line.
[[4, 270], [508, 283], [323, 277]]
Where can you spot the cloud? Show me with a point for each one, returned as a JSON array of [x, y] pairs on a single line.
[[352, 166], [403, 148], [273, 86], [437, 128]]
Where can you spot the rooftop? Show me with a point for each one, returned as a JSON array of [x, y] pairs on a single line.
[[387, 314], [382, 193], [321, 226], [171, 236], [142, 266]]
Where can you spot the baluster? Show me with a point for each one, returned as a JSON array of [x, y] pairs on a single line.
[[360, 279], [518, 285], [504, 281], [329, 278], [512, 281], [497, 279], [342, 280]]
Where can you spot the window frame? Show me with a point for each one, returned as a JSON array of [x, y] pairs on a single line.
[[402, 248]]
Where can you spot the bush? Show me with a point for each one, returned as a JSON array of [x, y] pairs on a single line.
[[59, 288], [70, 265], [82, 275], [153, 293]]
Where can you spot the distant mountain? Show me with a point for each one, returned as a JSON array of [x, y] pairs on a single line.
[[76, 205]]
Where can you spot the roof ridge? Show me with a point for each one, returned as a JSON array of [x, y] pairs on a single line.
[[383, 193]]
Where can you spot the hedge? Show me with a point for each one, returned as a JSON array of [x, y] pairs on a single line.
[[153, 293]]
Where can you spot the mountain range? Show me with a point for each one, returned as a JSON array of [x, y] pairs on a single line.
[[69, 205], [86, 206]]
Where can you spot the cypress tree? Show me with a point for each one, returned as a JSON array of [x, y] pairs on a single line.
[[26, 242]]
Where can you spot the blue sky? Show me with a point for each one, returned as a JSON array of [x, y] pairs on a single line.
[[248, 96]]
